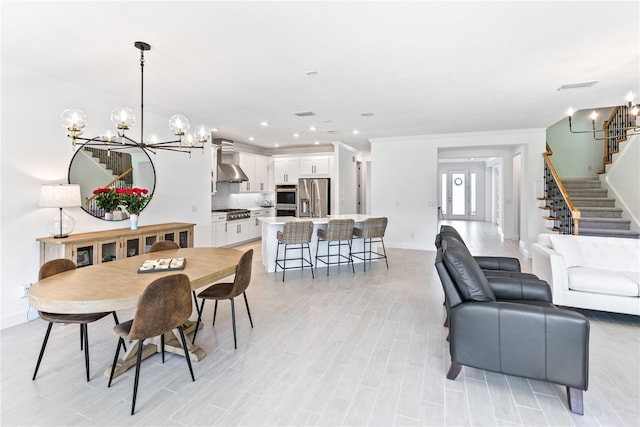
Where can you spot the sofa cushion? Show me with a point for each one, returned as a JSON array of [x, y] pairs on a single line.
[[601, 281], [569, 248], [466, 272], [611, 253]]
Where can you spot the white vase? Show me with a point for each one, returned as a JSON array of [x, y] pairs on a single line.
[[133, 221], [108, 216]]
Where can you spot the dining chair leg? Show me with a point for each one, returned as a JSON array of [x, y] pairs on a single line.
[[115, 318], [215, 311], [44, 345], [162, 346], [86, 348], [247, 304], [195, 332], [137, 377], [115, 360], [81, 339], [186, 351], [284, 262], [195, 300], [233, 322]]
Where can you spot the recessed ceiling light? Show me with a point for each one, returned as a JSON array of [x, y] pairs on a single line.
[[312, 128], [317, 142], [251, 138], [264, 123], [214, 129], [276, 145], [367, 114], [355, 131], [295, 135]]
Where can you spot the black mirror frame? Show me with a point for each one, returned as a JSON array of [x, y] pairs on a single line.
[[114, 149]]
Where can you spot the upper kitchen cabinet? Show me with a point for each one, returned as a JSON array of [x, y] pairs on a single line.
[[315, 166], [257, 170], [286, 171]]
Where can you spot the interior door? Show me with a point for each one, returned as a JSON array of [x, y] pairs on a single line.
[[462, 195]]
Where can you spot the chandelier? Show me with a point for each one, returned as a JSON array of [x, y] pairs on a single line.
[[123, 119], [623, 120]]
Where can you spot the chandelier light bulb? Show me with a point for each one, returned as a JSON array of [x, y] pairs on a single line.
[[178, 124], [630, 97], [123, 118], [570, 112], [74, 120], [594, 116], [189, 140], [634, 111], [108, 136], [202, 133]]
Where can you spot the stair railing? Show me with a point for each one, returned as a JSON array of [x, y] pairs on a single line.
[[114, 161], [565, 215], [615, 132]]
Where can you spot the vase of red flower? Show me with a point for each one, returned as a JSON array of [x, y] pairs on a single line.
[[107, 199], [134, 200]]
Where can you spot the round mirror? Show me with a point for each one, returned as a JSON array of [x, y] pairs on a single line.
[[96, 168]]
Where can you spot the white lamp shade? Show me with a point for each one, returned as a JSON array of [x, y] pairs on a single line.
[[60, 196]]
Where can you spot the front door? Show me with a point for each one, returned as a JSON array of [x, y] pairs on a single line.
[[461, 195]]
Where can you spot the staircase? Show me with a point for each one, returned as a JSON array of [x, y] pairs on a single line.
[[598, 214]]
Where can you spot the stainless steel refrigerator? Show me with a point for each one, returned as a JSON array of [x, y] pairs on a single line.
[[314, 197]]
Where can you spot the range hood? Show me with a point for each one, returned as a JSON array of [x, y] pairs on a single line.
[[228, 171]]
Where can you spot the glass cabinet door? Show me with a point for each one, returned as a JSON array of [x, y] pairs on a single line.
[[149, 240], [183, 238], [170, 236], [132, 247], [84, 255], [108, 250]]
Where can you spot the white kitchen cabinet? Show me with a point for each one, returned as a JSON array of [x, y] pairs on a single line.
[[257, 170], [315, 166], [286, 171], [237, 231], [255, 226]]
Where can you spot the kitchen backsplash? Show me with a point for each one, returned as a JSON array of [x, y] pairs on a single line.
[[223, 199]]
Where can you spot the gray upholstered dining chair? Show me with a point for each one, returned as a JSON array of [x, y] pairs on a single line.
[[298, 234], [163, 306], [338, 233], [220, 291], [48, 269], [372, 231]]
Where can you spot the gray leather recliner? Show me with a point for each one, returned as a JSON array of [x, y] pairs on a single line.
[[509, 325]]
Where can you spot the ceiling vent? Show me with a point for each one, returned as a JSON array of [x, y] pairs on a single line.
[[333, 132], [305, 113], [577, 85]]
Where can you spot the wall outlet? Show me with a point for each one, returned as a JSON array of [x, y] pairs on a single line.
[[23, 291]]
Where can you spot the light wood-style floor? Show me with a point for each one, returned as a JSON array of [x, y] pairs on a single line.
[[348, 349]]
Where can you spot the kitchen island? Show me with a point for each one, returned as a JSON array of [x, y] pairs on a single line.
[[271, 226]]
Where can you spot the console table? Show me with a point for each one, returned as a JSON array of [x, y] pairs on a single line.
[[109, 245]]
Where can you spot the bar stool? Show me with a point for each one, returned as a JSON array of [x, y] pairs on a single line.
[[372, 231], [338, 233], [297, 233]]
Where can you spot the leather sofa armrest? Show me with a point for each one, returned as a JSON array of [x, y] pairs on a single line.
[[516, 288], [544, 343], [498, 263]]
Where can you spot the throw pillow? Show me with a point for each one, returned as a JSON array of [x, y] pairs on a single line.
[[466, 272], [567, 246]]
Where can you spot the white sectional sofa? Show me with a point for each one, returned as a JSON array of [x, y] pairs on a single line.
[[598, 273]]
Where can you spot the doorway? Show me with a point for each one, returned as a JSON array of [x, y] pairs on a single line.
[[462, 194]]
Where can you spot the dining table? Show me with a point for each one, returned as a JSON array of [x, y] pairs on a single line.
[[117, 285]]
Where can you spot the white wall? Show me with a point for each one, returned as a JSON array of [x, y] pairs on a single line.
[[404, 182], [623, 179], [347, 186], [35, 150], [576, 155]]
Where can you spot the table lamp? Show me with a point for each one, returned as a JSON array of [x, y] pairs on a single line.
[[60, 196]]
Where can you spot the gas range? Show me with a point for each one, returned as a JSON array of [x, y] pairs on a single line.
[[233, 214]]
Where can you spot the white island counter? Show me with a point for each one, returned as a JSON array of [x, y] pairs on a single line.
[[271, 225]]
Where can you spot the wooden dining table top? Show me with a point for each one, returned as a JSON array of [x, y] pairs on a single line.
[[117, 285]]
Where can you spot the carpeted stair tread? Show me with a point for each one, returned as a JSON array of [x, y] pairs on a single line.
[[600, 212], [605, 223], [609, 233]]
